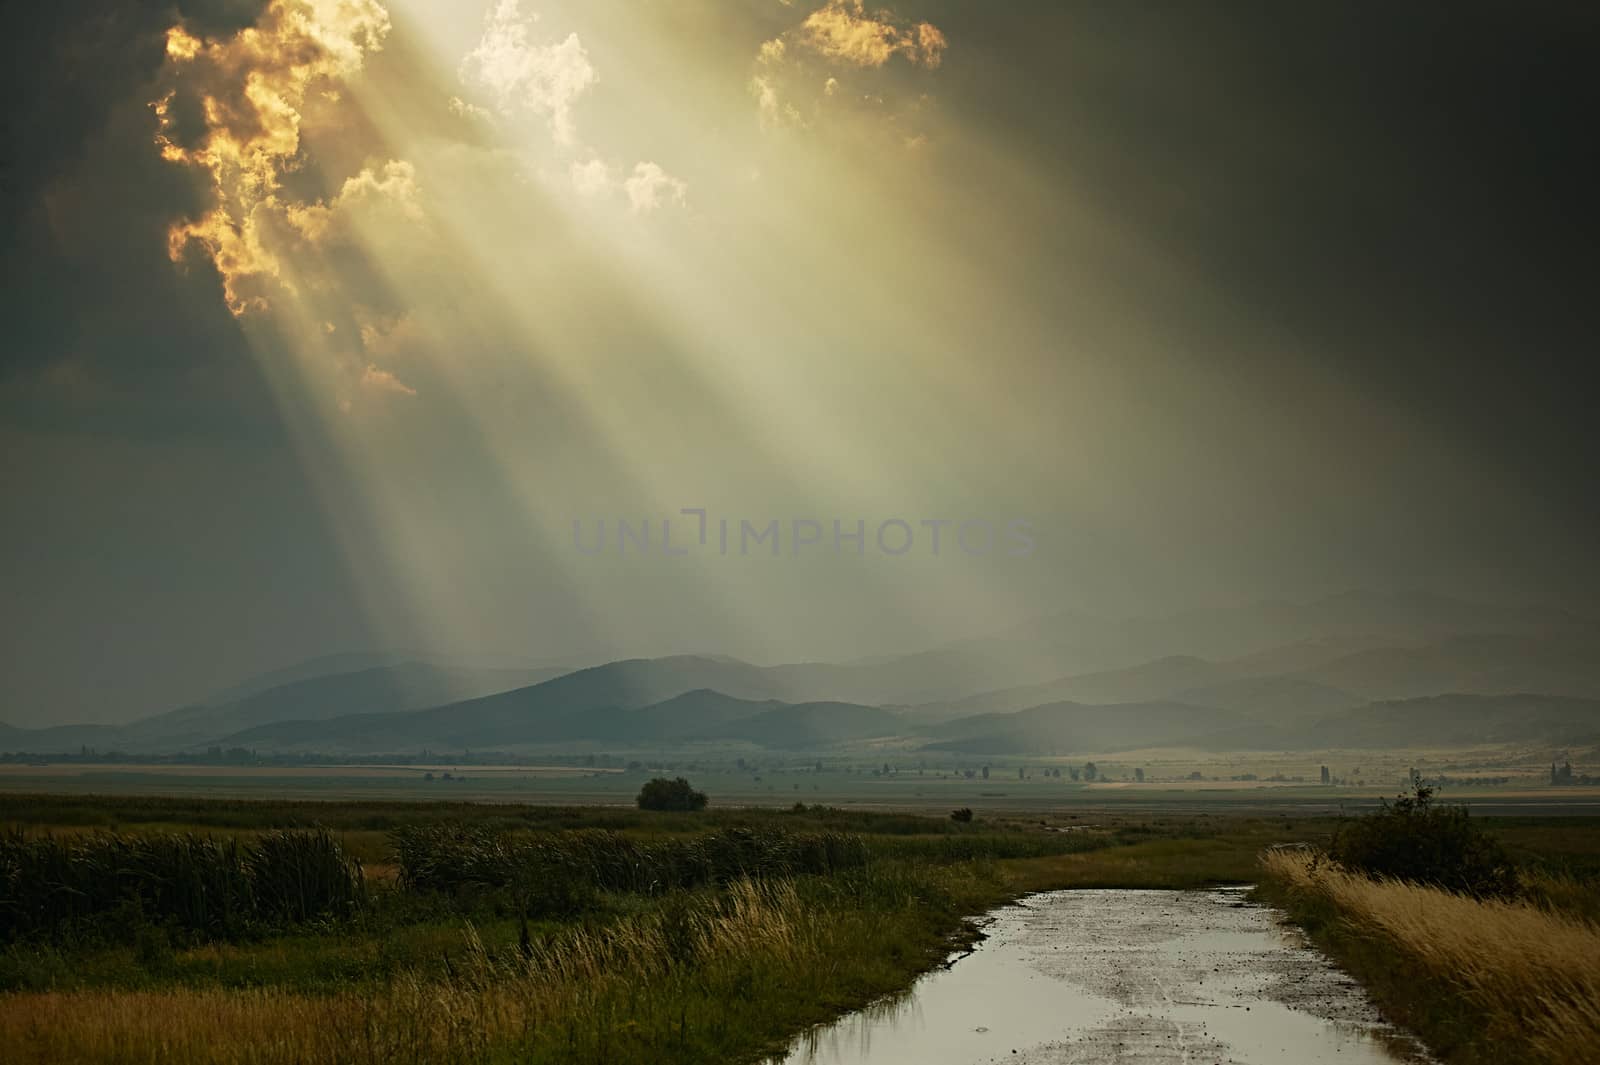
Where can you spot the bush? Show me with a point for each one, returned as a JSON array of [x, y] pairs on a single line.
[[1414, 839], [963, 815], [663, 794]]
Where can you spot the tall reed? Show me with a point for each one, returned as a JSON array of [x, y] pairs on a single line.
[[107, 884], [558, 872]]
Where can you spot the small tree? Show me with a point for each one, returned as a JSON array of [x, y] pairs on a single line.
[[1415, 839], [962, 816], [663, 794]]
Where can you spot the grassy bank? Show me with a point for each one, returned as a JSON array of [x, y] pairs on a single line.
[[1481, 980], [659, 938], [700, 976]]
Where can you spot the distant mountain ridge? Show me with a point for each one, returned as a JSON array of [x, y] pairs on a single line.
[[1265, 673], [1457, 720], [1074, 728], [386, 688], [1146, 681]]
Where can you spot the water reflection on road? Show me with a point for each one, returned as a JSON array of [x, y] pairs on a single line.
[[1123, 978]]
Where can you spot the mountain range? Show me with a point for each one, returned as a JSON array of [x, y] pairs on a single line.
[[1350, 670]]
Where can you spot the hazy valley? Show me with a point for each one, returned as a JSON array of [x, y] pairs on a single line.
[[1349, 672]]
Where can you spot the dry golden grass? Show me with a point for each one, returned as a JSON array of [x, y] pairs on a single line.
[[1533, 974], [487, 1002]]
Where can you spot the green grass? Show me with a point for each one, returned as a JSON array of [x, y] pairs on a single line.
[[704, 967], [128, 812]]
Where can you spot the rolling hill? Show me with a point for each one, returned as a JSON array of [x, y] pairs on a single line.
[[528, 715], [374, 690], [1072, 728], [1271, 699], [1458, 721], [1485, 664], [1142, 683], [810, 726], [591, 714]]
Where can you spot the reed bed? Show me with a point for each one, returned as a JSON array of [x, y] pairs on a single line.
[[558, 872], [707, 975], [1482, 979], [106, 885]]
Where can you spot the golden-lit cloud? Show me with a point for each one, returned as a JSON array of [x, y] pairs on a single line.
[[839, 57], [375, 379], [845, 31], [387, 336], [233, 110], [181, 45], [522, 74], [393, 188]]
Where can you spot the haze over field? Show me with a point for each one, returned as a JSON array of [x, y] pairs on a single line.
[[1367, 671], [927, 376]]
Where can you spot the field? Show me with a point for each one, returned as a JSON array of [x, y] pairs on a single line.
[[427, 931], [1012, 787]]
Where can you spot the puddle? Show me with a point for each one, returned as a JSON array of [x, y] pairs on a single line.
[[1123, 978]]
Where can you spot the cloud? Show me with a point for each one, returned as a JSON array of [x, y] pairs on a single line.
[[647, 188], [546, 79], [844, 31], [798, 75], [650, 187], [595, 177], [387, 336], [458, 106], [391, 189], [774, 110], [233, 109], [375, 379]]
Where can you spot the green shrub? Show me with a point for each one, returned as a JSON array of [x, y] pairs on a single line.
[[1415, 839], [663, 794]]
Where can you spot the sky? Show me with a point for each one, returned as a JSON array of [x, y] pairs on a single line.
[[342, 324]]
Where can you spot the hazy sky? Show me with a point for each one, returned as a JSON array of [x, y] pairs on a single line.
[[325, 319]]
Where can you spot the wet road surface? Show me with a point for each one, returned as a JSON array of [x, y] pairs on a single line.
[[1123, 978]]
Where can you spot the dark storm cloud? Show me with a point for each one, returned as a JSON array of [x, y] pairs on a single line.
[[102, 332], [1404, 192], [1305, 224]]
